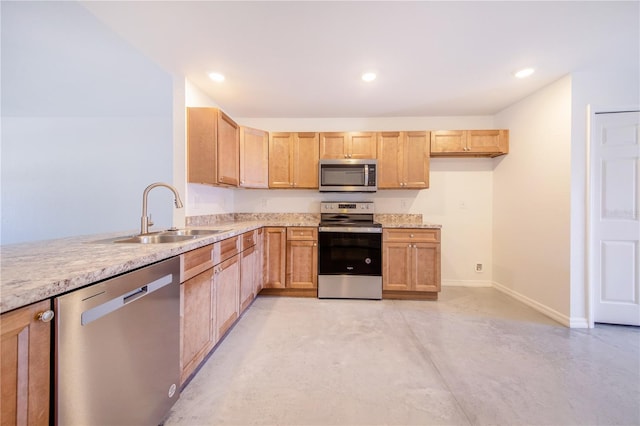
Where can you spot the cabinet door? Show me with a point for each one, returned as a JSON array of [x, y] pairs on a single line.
[[302, 264], [228, 163], [425, 268], [226, 281], [254, 158], [390, 160], [275, 245], [247, 275], [448, 141], [487, 141], [201, 145], [25, 358], [334, 145], [396, 266], [305, 160], [198, 334], [280, 160], [362, 145], [259, 262], [416, 155]]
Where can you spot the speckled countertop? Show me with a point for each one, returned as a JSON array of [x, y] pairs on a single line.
[[35, 271]]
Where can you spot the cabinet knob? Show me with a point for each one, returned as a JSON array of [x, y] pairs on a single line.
[[45, 316], [315, 244], [411, 236]]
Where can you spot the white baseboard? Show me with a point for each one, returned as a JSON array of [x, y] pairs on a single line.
[[543, 309], [466, 283]]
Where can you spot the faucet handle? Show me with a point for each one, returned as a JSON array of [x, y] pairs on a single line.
[[150, 221]]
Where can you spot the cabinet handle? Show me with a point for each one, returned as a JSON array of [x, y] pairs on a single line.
[[45, 316], [315, 244], [411, 236]]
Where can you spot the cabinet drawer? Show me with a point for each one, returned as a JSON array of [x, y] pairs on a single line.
[[195, 261], [302, 233], [225, 249], [411, 235], [248, 240]]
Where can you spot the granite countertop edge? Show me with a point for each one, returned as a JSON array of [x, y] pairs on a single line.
[[36, 271]]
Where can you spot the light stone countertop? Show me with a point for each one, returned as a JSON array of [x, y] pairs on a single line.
[[34, 271]]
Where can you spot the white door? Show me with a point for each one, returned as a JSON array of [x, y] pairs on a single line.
[[615, 229]]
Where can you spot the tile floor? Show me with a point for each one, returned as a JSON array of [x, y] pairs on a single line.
[[475, 357]]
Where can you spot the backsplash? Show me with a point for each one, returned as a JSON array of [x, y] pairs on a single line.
[[216, 219]]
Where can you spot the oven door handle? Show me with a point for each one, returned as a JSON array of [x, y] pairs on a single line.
[[350, 229]]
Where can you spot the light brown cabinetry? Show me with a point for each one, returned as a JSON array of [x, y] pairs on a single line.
[[403, 160], [302, 258], [293, 160], [340, 145], [254, 158], [248, 267], [213, 140], [411, 263], [474, 143], [197, 308], [209, 297], [275, 245], [25, 371]]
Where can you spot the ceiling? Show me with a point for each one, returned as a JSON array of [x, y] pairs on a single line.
[[305, 59]]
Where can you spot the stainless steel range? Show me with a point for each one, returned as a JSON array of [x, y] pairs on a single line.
[[349, 251]]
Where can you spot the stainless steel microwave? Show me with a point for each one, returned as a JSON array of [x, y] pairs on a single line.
[[348, 175]]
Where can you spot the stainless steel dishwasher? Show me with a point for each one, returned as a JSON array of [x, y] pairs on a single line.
[[118, 349]]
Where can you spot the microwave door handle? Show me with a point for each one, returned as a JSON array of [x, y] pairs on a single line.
[[366, 175]]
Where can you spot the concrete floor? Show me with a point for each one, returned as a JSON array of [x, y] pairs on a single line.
[[474, 357]]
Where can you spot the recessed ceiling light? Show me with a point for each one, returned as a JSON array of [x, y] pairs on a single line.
[[523, 73], [368, 76], [216, 76]]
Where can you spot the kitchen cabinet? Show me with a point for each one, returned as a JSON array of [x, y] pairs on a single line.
[[302, 258], [340, 145], [197, 308], [293, 160], [410, 263], [275, 245], [259, 262], [248, 267], [25, 370], [226, 283], [213, 150], [472, 143], [403, 160], [254, 158]]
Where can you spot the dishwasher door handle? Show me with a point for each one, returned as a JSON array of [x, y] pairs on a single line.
[[116, 303], [136, 294]]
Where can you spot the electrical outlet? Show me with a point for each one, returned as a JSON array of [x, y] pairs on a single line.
[[478, 267], [403, 204]]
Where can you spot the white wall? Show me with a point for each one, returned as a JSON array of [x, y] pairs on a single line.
[[531, 200], [86, 126], [459, 197]]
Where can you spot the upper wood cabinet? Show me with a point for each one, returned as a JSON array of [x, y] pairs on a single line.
[[403, 160], [340, 145], [25, 357], [293, 160], [213, 140], [474, 143], [254, 158]]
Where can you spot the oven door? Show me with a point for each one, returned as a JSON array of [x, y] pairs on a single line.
[[349, 253]]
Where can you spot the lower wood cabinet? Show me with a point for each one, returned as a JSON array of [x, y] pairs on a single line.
[[411, 263], [26, 361], [291, 261], [226, 281], [302, 257], [248, 266], [275, 245]]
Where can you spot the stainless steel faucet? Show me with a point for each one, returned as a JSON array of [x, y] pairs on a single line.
[[146, 222]]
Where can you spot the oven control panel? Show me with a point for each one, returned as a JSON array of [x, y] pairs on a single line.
[[346, 207]]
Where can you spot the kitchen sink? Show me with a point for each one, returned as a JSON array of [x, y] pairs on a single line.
[[162, 237]]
